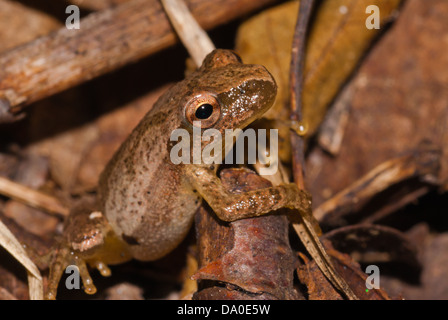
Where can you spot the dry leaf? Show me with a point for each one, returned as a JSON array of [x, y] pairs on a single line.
[[319, 288], [12, 245], [337, 41], [254, 255], [368, 243], [432, 282], [400, 99]]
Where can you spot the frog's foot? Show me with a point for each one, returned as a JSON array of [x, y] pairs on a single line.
[[81, 245], [68, 260]]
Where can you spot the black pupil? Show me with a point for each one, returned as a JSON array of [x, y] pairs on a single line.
[[204, 111]]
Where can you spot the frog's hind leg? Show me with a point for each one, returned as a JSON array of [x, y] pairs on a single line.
[[88, 239]]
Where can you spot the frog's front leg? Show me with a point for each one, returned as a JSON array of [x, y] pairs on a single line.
[[230, 206], [88, 240]]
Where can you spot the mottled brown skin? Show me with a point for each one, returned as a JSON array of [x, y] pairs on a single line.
[[145, 197], [148, 201]]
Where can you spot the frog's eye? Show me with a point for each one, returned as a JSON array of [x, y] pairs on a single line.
[[203, 110]]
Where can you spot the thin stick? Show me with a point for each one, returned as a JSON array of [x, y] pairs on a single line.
[[311, 241], [32, 197], [13, 246], [296, 88], [193, 37], [305, 230]]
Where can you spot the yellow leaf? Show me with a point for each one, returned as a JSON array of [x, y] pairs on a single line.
[[338, 39]]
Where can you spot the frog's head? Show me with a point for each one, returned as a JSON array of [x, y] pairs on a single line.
[[225, 93]]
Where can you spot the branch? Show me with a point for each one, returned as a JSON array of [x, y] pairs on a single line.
[[305, 230], [106, 41], [193, 37], [296, 88]]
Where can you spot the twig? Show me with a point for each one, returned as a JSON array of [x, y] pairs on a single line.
[[192, 35], [305, 229], [400, 203], [106, 41], [32, 197], [12, 245], [296, 88], [423, 162]]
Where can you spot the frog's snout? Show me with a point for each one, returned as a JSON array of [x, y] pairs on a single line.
[[266, 90]]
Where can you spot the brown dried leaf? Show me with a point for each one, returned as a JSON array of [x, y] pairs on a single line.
[[338, 39], [370, 243], [8, 165], [432, 283], [247, 265], [9, 242], [422, 163], [319, 288], [32, 171], [399, 100], [434, 278], [65, 153], [6, 295], [253, 254], [32, 220], [12, 281]]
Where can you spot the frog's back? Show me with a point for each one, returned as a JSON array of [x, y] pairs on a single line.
[[141, 190]]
